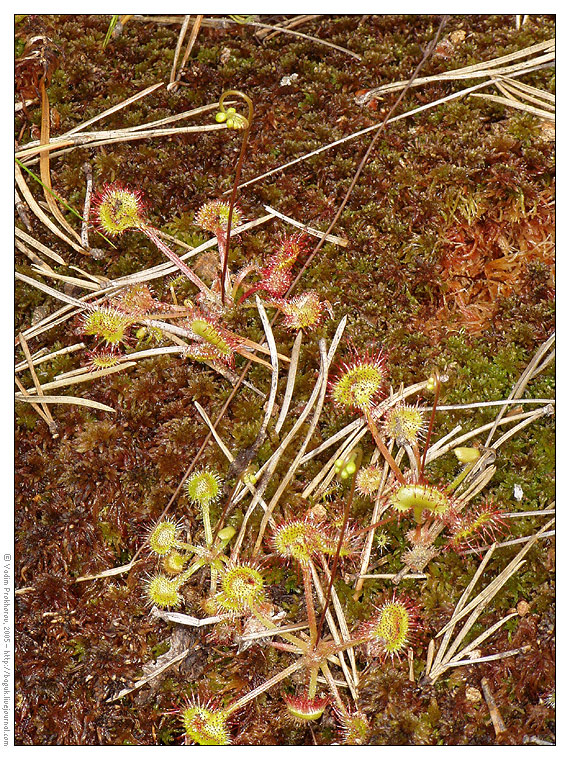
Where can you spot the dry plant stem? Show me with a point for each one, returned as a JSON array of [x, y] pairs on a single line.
[[83, 378], [248, 486], [39, 213], [484, 404], [264, 687], [273, 632], [274, 373], [479, 640], [150, 677], [46, 271], [515, 104], [236, 182], [431, 421], [347, 430], [112, 136], [189, 46], [297, 21], [382, 446], [490, 658], [306, 229], [390, 576], [22, 210], [292, 469], [377, 513], [434, 663], [152, 235], [47, 289], [180, 619], [547, 410], [270, 466], [113, 109], [485, 68], [521, 384], [40, 356], [514, 540], [182, 34], [544, 364], [35, 403], [548, 511], [435, 453], [496, 719], [65, 400], [334, 568], [514, 91], [355, 135], [490, 591], [44, 163], [86, 205], [351, 678], [427, 53], [34, 147], [50, 420], [285, 30], [332, 686], [290, 381]]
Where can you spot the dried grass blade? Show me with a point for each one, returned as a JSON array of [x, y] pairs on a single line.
[[351, 678], [309, 230], [190, 45], [45, 173], [39, 246], [485, 635], [181, 35], [85, 378], [35, 403], [520, 385], [50, 291], [435, 454], [284, 30], [75, 401], [113, 109], [482, 69], [458, 608], [51, 422], [64, 278], [515, 104], [35, 208], [290, 381], [38, 357], [40, 264], [496, 584], [146, 679], [322, 381], [365, 131]]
